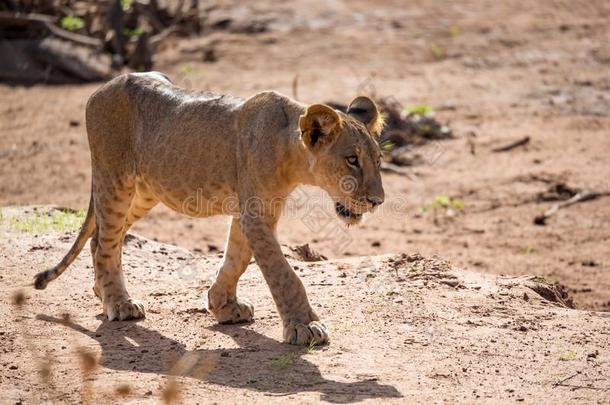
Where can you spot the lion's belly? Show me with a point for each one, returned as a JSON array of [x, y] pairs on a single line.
[[195, 199]]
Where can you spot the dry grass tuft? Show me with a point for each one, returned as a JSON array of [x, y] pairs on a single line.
[[18, 298], [123, 390], [45, 370], [88, 361], [191, 364], [172, 392]]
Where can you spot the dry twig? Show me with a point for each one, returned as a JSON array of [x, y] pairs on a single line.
[[578, 197], [512, 145]]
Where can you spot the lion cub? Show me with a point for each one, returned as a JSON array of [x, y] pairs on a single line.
[[202, 154]]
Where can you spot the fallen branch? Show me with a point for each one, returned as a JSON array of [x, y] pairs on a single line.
[[562, 383], [564, 380], [71, 36], [47, 22], [513, 145], [157, 38], [8, 18], [578, 197], [584, 387], [429, 275]]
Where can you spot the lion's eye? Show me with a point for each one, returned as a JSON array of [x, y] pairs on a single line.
[[352, 161]]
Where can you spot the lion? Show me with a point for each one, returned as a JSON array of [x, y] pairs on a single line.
[[153, 142]]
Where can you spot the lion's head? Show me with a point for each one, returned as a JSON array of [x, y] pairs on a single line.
[[346, 155]]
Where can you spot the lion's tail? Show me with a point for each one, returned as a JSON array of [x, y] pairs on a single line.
[[43, 278]]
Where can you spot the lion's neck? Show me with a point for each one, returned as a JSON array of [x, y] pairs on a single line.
[[297, 162], [297, 165]]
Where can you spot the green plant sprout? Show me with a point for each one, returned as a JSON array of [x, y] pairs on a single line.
[[387, 146], [136, 32], [437, 51], [60, 221], [283, 360], [71, 23], [422, 109], [443, 201]]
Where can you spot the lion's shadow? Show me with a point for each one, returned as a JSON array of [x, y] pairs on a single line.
[[259, 363]]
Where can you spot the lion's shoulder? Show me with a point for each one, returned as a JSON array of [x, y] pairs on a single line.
[[269, 110]]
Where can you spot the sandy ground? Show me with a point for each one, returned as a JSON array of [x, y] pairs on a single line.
[[404, 329]]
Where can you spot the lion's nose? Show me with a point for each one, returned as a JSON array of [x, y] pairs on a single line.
[[374, 201]]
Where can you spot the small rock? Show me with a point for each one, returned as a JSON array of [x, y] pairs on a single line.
[[450, 283], [593, 355], [414, 258], [209, 55]]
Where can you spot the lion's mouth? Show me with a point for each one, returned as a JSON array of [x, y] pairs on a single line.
[[343, 212]]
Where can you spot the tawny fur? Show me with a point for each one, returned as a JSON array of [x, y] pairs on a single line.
[[202, 154]]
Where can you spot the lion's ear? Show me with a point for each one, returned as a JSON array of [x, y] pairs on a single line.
[[319, 126], [365, 110]]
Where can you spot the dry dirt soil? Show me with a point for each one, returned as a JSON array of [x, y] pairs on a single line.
[[495, 72], [404, 329]]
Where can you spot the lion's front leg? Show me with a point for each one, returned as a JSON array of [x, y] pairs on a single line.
[[222, 297], [301, 324]]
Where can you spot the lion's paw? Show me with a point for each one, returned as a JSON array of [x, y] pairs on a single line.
[[302, 334], [123, 308], [237, 311]]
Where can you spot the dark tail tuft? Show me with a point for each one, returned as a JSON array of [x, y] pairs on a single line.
[[42, 279]]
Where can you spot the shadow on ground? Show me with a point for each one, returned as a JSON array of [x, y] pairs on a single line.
[[260, 363]]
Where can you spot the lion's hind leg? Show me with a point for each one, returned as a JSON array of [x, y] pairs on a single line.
[[113, 197], [142, 202]]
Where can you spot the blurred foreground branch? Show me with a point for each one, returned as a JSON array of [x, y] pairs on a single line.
[[52, 40]]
